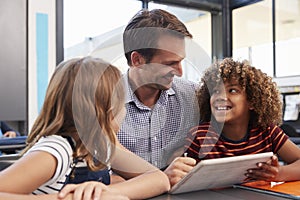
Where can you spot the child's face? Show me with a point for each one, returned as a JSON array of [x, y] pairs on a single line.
[[229, 103]]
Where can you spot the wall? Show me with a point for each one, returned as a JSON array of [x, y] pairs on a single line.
[[41, 52], [13, 56]]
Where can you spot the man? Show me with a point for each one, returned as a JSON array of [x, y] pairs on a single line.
[[160, 108]]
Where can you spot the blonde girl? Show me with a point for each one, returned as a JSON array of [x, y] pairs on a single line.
[[84, 105]]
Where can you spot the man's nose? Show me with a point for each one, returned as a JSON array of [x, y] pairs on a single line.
[[177, 70]]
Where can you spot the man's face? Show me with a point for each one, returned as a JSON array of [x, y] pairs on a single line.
[[166, 63]]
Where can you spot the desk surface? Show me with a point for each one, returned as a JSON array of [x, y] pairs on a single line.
[[222, 194]]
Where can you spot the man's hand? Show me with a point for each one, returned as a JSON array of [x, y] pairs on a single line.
[[179, 168]]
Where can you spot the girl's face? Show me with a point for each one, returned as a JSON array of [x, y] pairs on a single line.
[[229, 103]]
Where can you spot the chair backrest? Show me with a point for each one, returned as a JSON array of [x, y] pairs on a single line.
[[292, 133], [289, 130], [12, 145]]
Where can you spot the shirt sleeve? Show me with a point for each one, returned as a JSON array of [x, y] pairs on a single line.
[[278, 138], [60, 149]]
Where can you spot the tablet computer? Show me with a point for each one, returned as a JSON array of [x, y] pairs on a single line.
[[219, 172]]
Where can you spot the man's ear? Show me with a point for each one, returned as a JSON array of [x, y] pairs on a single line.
[[137, 59]]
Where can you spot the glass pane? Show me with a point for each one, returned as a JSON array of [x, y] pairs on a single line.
[[93, 25], [287, 37], [199, 48], [252, 35], [98, 31]]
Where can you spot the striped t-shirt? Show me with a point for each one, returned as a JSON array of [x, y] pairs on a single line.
[[205, 143], [60, 148]]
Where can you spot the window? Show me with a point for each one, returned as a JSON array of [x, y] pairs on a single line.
[[253, 39], [92, 28], [252, 35], [90, 24], [198, 50], [287, 37]]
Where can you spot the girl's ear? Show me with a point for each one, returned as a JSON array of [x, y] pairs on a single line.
[[137, 59]]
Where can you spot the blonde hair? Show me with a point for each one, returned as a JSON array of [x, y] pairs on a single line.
[[82, 99]]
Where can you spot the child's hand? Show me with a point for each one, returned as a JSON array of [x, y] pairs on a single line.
[[87, 190], [90, 190], [268, 171]]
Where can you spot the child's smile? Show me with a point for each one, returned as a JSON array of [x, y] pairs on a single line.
[[229, 103]]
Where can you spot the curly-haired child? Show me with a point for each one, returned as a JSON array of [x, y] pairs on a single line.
[[241, 110]]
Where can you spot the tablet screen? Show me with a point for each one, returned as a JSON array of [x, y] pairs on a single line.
[[219, 172]]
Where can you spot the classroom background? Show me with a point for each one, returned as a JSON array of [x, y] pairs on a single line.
[[36, 35]]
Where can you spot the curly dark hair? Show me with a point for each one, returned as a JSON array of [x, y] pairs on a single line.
[[262, 93]]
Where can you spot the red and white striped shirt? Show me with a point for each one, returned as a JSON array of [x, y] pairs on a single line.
[[205, 143]]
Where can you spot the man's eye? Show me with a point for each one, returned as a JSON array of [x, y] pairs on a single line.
[[170, 64]]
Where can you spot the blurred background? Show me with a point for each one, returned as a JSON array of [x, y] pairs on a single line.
[[36, 35]]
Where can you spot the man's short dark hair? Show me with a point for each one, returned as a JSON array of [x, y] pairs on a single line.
[[144, 29]]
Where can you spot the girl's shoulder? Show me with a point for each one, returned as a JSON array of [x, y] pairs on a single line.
[[54, 138], [273, 132], [268, 129], [61, 150], [52, 144]]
